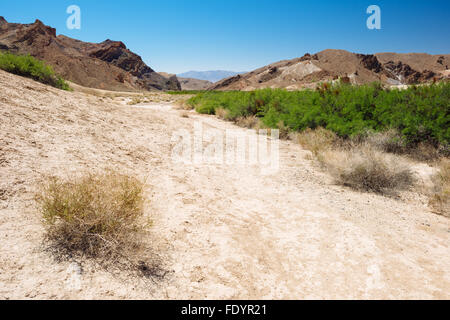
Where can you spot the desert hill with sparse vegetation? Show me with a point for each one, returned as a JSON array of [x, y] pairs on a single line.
[[310, 70], [108, 65]]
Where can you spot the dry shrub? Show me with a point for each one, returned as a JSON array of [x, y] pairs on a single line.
[[424, 151], [391, 141], [283, 130], [316, 140], [136, 100], [388, 141], [250, 122], [366, 169], [181, 104], [440, 199], [184, 114], [96, 215], [222, 113]]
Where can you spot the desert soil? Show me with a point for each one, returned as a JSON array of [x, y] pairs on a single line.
[[220, 231]]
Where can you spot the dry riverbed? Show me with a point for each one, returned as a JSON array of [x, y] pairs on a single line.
[[220, 231]]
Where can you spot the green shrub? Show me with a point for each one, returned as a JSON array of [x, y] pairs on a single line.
[[30, 67], [206, 108], [419, 114]]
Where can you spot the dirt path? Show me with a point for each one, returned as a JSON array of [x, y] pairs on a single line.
[[223, 231], [295, 235]]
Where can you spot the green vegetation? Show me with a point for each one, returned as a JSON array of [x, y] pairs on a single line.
[[30, 67], [419, 114]]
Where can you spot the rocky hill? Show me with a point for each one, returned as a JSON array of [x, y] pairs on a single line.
[[328, 65], [194, 84], [107, 65], [189, 83]]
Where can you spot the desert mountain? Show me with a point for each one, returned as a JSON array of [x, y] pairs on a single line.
[[189, 83], [107, 65], [194, 84], [212, 76], [328, 65]]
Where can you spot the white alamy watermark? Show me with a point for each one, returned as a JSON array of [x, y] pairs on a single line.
[[374, 20], [227, 147], [74, 20], [74, 282]]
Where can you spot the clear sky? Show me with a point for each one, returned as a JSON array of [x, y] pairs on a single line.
[[241, 35]]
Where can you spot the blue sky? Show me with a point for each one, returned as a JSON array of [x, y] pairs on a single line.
[[241, 35]]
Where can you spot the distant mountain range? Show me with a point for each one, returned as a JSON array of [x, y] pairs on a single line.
[[211, 76]]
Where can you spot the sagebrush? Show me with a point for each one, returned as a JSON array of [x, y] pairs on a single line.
[[366, 169]]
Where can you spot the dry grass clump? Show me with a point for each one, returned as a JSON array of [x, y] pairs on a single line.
[[184, 114], [440, 199], [316, 141], [137, 100], [96, 215], [181, 104], [425, 151], [391, 141], [250, 122], [283, 130], [222, 113], [388, 141], [363, 168]]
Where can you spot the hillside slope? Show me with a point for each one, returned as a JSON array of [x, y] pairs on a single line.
[[107, 65], [328, 65], [219, 231]]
